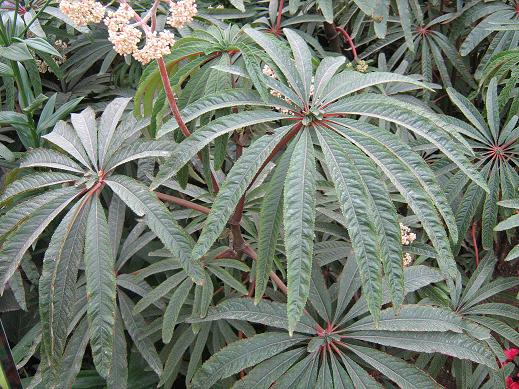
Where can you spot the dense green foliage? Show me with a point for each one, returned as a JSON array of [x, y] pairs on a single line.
[[293, 194]]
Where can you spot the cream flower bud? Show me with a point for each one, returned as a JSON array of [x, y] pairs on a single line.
[[181, 12], [83, 12]]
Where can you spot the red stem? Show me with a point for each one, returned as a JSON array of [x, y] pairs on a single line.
[[277, 29], [273, 276], [474, 242], [170, 95], [347, 37], [183, 203]]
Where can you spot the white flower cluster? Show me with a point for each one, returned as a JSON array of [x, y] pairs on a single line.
[[83, 12], [157, 46], [407, 237], [123, 36], [181, 12], [407, 260]]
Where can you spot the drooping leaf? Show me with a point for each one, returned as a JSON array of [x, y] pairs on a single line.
[[299, 219], [101, 289]]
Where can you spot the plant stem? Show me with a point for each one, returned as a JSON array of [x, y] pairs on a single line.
[[273, 276], [474, 242], [183, 203], [170, 95], [277, 29], [347, 37]]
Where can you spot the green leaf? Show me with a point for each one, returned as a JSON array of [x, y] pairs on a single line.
[[360, 377], [299, 219], [490, 211], [50, 159], [86, 129], [267, 372], [242, 354], [160, 291], [139, 149], [456, 345], [16, 52], [236, 183], [357, 209], [204, 135], [74, 354], [348, 82], [405, 170], [324, 73], [136, 328], [280, 58], [222, 99], [67, 139], [303, 60], [424, 123], [35, 181], [228, 279], [118, 377], [173, 309], [265, 312], [40, 44], [107, 125], [270, 218], [144, 203], [411, 318], [405, 375], [326, 7], [101, 289], [57, 286], [25, 225]]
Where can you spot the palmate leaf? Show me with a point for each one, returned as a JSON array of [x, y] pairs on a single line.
[[24, 226], [299, 219], [411, 318], [50, 159], [457, 345], [418, 120], [265, 312], [236, 183], [242, 354], [101, 289], [58, 282], [32, 182], [385, 219], [404, 374], [137, 150], [144, 203], [402, 170], [358, 212], [222, 99], [267, 372], [281, 59], [204, 135]]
